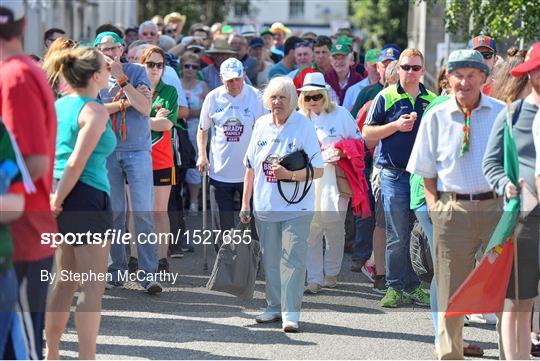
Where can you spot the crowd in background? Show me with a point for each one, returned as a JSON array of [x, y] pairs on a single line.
[[121, 132]]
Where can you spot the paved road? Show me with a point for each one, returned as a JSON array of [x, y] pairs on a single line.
[[189, 322]]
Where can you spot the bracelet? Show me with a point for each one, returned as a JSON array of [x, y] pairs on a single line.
[[123, 82]]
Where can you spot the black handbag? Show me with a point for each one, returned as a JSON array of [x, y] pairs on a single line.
[[184, 152], [296, 161]]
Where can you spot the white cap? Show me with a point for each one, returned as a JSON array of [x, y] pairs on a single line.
[[231, 68]]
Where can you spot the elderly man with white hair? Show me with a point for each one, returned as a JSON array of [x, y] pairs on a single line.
[[148, 33], [229, 112]]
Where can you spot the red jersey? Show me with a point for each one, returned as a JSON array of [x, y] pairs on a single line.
[[27, 109]]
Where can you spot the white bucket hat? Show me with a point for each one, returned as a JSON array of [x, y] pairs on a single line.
[[314, 81]]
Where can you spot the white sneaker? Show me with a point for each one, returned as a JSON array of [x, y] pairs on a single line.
[[194, 207], [290, 326], [489, 318], [330, 281], [313, 288], [268, 317]]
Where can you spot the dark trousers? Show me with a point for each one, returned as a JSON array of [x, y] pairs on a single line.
[[176, 208]]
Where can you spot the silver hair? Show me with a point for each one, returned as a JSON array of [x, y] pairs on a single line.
[[147, 24], [165, 42], [281, 85]]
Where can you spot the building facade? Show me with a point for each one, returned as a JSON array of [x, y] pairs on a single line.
[[323, 17], [78, 18]]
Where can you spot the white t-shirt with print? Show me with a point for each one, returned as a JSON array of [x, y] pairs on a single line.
[[269, 143], [335, 126], [231, 120]]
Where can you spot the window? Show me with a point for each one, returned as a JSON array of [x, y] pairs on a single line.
[[296, 8], [241, 8]]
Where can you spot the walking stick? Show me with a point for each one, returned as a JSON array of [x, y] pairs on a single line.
[[204, 214], [516, 284]]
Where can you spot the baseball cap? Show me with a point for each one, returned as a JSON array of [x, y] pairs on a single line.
[[389, 53], [482, 40], [227, 29], [372, 55], [11, 12], [102, 37], [466, 58], [256, 43], [532, 61], [341, 46], [231, 68], [266, 31]]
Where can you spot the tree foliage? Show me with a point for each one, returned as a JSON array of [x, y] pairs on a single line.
[[501, 19], [205, 11], [385, 21]]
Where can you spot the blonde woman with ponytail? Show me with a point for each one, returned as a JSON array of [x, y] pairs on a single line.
[[81, 199]]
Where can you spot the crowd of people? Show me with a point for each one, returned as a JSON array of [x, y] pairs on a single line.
[[308, 138]]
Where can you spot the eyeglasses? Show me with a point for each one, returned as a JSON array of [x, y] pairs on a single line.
[[169, 31], [487, 54], [191, 66], [148, 34], [316, 97], [153, 65], [409, 67]]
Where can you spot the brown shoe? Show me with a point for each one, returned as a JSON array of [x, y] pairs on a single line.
[[472, 350]]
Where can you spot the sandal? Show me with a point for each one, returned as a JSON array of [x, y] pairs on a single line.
[[472, 350]]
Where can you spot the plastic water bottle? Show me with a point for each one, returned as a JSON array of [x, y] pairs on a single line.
[[8, 171]]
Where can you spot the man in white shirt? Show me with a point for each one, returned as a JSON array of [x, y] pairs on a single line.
[[230, 111], [448, 154]]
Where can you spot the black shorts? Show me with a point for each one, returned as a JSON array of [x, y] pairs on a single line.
[[85, 209], [164, 177], [527, 246]]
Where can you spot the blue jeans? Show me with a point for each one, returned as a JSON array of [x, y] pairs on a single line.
[[284, 248], [8, 300], [425, 222], [136, 167], [363, 235], [395, 190]]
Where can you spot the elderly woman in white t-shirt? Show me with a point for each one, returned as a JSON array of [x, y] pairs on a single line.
[[333, 123], [283, 228]]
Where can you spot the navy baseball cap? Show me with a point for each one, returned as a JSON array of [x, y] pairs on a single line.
[[389, 53], [256, 43]]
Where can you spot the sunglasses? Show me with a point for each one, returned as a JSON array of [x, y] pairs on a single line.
[[153, 65], [191, 66], [304, 44], [409, 67], [316, 97], [487, 54]]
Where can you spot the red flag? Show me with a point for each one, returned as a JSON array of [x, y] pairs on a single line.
[[484, 290]]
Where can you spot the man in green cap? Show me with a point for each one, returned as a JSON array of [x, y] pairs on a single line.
[[128, 99], [370, 64], [342, 75], [448, 153]]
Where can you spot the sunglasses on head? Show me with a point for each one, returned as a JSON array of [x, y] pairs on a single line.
[[487, 54], [315, 97], [409, 67], [153, 65], [191, 66], [304, 44]]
